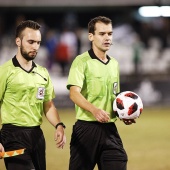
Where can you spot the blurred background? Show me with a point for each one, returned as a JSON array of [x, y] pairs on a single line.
[[141, 44], [141, 41]]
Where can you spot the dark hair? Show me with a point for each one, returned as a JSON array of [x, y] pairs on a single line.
[[92, 23], [26, 24]]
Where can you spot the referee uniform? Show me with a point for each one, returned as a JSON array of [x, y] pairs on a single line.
[[93, 142], [21, 97]]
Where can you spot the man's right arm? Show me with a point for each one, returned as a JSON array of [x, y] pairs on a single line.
[[75, 95]]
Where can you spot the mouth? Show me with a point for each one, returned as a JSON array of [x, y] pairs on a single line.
[[107, 44], [33, 53]]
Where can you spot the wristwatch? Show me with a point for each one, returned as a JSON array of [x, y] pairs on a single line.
[[60, 123]]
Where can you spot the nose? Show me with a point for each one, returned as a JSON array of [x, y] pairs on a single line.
[[36, 46], [108, 36]]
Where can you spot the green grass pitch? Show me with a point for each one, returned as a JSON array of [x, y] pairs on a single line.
[[147, 142]]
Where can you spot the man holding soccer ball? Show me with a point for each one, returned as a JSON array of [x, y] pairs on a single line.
[[93, 83], [26, 94]]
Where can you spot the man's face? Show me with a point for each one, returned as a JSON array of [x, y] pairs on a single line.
[[30, 43], [102, 38]]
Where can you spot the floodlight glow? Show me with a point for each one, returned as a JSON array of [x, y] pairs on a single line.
[[154, 11], [165, 11], [150, 11]]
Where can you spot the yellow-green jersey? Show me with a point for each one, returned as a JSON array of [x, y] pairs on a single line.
[[99, 83], [22, 93]]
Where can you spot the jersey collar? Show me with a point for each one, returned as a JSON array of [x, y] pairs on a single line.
[[16, 64], [93, 56]]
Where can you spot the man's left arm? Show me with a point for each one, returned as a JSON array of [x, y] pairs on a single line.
[[53, 117]]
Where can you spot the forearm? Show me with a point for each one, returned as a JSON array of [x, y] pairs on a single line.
[[53, 117], [99, 114], [80, 101], [51, 113]]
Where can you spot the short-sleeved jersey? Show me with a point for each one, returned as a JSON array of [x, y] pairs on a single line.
[[99, 83], [22, 93]]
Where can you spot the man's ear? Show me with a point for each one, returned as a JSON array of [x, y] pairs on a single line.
[[90, 37], [18, 41]]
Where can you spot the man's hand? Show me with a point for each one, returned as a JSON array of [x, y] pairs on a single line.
[[101, 115], [60, 137]]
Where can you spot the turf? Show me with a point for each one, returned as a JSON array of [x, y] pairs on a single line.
[[147, 142]]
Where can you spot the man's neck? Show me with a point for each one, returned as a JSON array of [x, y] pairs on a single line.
[[101, 55], [26, 65]]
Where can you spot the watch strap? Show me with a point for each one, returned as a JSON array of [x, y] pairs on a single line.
[[60, 123]]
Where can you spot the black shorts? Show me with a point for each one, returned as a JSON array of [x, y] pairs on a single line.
[[96, 143], [30, 138]]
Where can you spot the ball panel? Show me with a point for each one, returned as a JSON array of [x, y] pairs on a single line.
[[119, 104], [131, 95], [141, 110], [133, 108]]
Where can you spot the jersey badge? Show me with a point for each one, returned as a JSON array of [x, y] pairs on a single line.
[[115, 86], [40, 93]]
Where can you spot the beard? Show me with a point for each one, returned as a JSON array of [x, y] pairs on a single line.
[[27, 55]]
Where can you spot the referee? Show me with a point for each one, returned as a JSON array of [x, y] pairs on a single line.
[[26, 94], [93, 83]]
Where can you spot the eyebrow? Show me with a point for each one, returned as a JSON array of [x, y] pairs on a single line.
[[106, 32], [33, 40]]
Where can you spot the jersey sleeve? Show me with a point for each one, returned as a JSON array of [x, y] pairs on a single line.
[[76, 74], [49, 91]]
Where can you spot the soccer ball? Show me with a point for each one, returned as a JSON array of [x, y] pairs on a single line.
[[128, 105]]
